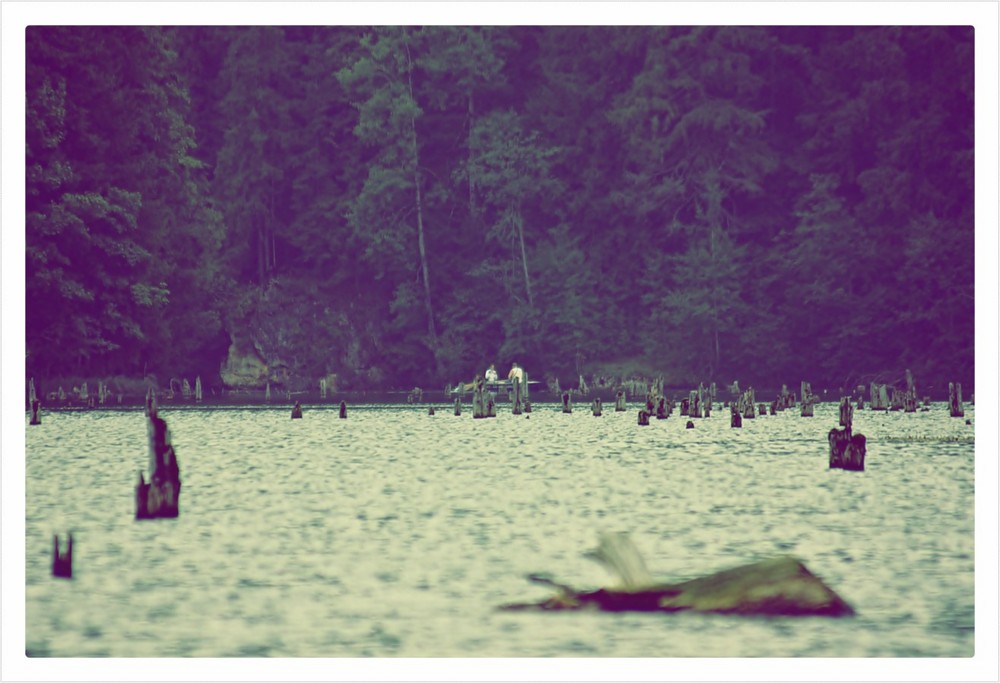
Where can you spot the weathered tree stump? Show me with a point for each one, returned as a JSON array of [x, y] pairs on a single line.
[[322, 387], [643, 418], [267, 392], [762, 410], [491, 405], [689, 425], [774, 407], [879, 399], [735, 419], [807, 400], [516, 390], [567, 402], [694, 407], [662, 409], [297, 411], [185, 389], [620, 402], [861, 402], [780, 586], [160, 497], [527, 406], [847, 450], [458, 406], [597, 407], [343, 410], [430, 410], [685, 407], [846, 412], [955, 400], [197, 389], [478, 398], [36, 418], [62, 564]]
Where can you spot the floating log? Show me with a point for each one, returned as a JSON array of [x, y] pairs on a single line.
[[735, 419], [596, 409], [36, 406], [955, 400], [516, 390], [159, 497], [458, 406], [780, 586], [343, 410], [62, 564], [567, 402], [620, 402], [297, 411], [643, 418]]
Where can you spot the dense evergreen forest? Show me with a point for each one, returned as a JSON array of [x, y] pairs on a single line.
[[400, 206]]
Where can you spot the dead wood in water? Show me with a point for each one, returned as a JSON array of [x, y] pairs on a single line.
[[780, 586]]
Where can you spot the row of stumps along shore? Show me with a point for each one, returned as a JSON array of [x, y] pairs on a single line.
[[159, 496]]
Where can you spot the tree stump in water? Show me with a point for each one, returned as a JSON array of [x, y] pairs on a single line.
[[160, 497], [491, 405], [620, 402], [297, 411], [516, 389], [322, 387], [685, 407], [774, 407], [343, 410], [643, 418], [735, 419], [62, 564], [527, 406], [689, 425], [879, 397], [846, 412], [458, 406], [662, 409], [567, 403], [478, 398], [597, 407], [807, 400], [197, 389], [36, 418], [694, 407], [955, 400], [430, 410], [762, 410], [847, 450]]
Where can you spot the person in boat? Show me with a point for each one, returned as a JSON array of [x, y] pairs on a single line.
[[516, 372], [491, 374]]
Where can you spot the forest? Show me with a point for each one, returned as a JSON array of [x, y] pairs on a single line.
[[393, 206]]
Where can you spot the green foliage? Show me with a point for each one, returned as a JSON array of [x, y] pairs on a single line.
[[766, 204]]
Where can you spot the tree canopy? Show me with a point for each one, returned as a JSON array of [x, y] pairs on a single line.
[[404, 205]]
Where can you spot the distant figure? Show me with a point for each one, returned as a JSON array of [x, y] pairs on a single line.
[[516, 372], [491, 374]]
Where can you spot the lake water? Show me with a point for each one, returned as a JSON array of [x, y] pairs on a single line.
[[398, 534]]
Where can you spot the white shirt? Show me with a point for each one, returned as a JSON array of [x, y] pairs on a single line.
[[491, 375]]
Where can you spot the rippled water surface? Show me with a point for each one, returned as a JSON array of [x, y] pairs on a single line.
[[395, 533]]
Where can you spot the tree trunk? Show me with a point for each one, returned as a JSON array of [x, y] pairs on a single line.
[[431, 330], [524, 256]]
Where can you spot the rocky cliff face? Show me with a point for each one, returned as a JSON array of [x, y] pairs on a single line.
[[244, 367]]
